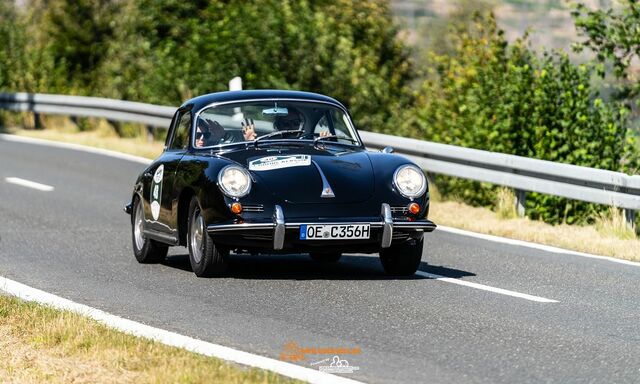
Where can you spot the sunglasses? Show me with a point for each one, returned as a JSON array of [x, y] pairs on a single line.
[[200, 135]]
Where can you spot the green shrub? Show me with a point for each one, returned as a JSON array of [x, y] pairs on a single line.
[[490, 95]]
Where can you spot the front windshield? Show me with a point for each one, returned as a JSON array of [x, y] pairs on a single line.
[[272, 120]]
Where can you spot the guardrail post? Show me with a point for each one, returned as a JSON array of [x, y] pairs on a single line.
[[520, 199], [630, 217], [149, 130], [37, 122]]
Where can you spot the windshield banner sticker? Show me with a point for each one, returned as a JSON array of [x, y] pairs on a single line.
[[279, 162]]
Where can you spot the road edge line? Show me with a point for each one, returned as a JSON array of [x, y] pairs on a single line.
[[77, 147], [529, 244], [173, 339]]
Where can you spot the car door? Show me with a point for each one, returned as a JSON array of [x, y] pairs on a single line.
[[164, 173]]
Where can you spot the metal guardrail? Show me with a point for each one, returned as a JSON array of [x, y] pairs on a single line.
[[521, 173], [82, 106]]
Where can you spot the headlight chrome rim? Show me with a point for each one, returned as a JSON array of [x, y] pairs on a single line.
[[226, 190], [420, 192]]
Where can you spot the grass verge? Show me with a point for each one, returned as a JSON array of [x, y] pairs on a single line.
[[608, 237], [39, 344], [579, 238]]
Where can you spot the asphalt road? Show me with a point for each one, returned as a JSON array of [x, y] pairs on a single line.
[[74, 241]]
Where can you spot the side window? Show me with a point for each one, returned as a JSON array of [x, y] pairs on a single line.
[[181, 134], [339, 123], [322, 125], [332, 119]]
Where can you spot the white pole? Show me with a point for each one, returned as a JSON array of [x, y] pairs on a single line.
[[235, 84]]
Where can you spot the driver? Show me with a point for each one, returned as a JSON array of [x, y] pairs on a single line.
[[292, 121]]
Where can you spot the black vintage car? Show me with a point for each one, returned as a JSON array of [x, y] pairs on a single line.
[[276, 172]]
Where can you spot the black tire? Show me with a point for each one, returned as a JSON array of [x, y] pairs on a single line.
[[206, 258], [146, 251], [403, 259], [331, 257]]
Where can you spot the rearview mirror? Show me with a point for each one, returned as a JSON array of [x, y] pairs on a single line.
[[276, 111]]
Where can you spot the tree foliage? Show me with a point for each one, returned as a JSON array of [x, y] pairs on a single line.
[[76, 35], [172, 50], [490, 95], [612, 34]]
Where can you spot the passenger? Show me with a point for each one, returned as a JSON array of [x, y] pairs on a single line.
[[248, 129], [208, 133]]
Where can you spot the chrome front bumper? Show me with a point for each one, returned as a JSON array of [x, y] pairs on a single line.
[[279, 225]]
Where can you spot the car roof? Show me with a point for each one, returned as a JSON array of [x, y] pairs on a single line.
[[204, 100]]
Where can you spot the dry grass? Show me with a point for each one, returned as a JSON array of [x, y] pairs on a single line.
[[580, 238], [506, 203], [102, 137], [42, 345], [612, 223]]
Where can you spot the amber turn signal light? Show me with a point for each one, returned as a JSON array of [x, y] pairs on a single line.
[[236, 208], [414, 208]]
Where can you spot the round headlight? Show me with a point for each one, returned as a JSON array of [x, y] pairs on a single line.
[[234, 181], [410, 181]]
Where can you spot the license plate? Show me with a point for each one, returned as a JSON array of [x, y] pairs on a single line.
[[334, 231]]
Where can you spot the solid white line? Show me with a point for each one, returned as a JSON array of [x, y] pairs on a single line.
[[29, 184], [528, 244], [170, 338], [76, 147], [486, 288]]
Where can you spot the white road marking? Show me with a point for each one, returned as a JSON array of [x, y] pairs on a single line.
[[76, 147], [528, 244], [29, 184], [170, 338], [486, 288]]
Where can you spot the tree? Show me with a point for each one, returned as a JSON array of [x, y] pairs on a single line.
[[169, 51], [612, 34], [76, 35], [501, 97]]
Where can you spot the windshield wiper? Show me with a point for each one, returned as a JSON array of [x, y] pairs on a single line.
[[277, 133], [318, 139]]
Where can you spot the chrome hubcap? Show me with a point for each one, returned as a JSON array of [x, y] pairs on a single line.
[[137, 227], [196, 236]]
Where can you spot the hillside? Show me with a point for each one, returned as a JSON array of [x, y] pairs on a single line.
[[549, 21]]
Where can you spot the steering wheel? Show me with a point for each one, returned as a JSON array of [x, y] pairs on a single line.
[[308, 135]]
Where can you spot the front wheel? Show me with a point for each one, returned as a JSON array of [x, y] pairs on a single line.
[[403, 259], [145, 250], [205, 257]]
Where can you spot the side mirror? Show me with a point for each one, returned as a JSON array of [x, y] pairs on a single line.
[[387, 150]]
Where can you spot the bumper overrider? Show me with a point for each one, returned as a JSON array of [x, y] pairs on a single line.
[[278, 226]]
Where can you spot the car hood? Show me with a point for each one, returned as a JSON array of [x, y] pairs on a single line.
[[295, 174]]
